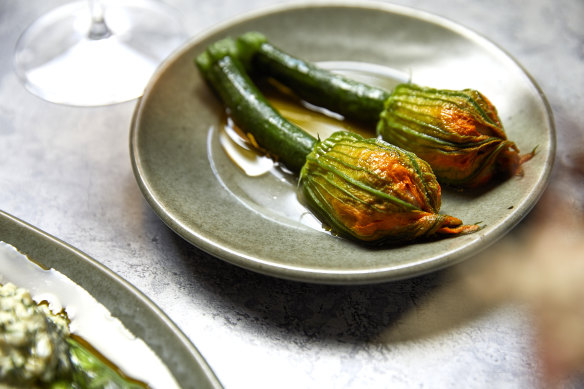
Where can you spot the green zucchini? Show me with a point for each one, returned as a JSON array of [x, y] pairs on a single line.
[[249, 108], [349, 98]]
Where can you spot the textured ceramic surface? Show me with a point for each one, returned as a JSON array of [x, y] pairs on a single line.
[[196, 189], [138, 314]]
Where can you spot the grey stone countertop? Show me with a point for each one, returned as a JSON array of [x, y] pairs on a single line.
[[485, 323]]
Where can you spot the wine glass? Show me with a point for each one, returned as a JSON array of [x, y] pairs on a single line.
[[96, 52]]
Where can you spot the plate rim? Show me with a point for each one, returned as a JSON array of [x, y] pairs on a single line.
[[351, 276], [61, 246]]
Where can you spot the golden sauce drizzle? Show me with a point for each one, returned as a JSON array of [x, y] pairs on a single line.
[[241, 151]]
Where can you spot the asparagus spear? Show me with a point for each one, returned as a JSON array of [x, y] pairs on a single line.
[[90, 372], [364, 189]]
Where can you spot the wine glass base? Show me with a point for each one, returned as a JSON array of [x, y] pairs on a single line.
[[57, 60]]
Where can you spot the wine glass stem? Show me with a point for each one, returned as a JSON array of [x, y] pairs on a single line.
[[98, 29]]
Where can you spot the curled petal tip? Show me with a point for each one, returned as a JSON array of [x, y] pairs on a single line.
[[458, 230]]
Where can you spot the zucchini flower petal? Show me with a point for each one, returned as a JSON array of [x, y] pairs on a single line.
[[372, 191], [458, 133]]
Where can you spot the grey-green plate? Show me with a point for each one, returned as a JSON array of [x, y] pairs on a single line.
[[253, 222], [140, 315]]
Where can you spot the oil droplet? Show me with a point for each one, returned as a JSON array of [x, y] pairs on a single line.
[[241, 151]]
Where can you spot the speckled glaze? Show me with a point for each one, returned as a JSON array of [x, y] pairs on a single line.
[[136, 311], [199, 193]]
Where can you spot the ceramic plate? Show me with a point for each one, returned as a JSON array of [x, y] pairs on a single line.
[[135, 311], [256, 222]]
